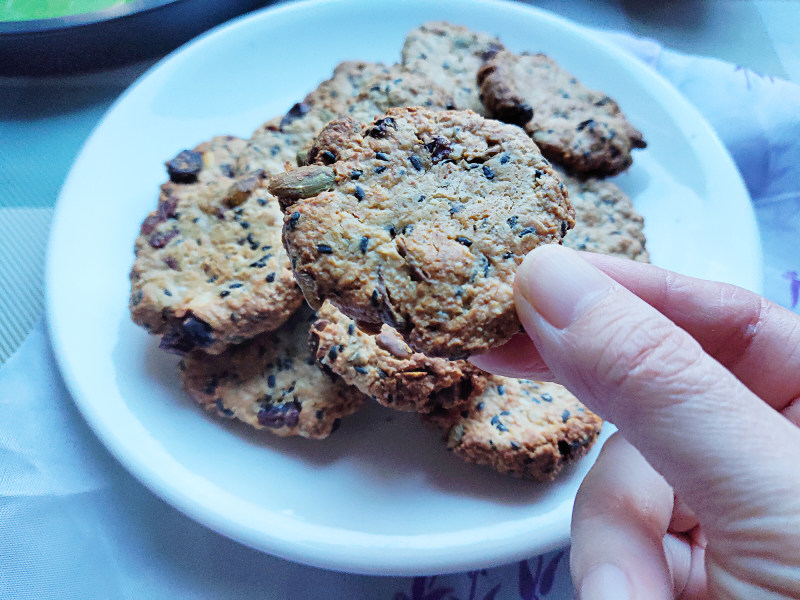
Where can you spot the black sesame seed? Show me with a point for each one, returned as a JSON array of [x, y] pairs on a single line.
[[361, 370], [564, 416], [464, 240], [547, 397], [527, 231], [507, 255], [233, 286], [563, 228], [221, 408], [415, 162], [380, 169], [333, 354], [584, 124], [421, 198], [501, 390], [356, 174], [167, 293], [514, 445], [479, 406], [363, 243], [294, 219], [504, 159], [270, 277], [324, 249], [224, 293], [328, 157], [271, 381], [487, 172], [382, 156], [375, 298], [512, 221], [351, 329], [538, 173], [359, 193]]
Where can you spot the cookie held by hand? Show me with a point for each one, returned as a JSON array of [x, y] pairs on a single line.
[[427, 217]]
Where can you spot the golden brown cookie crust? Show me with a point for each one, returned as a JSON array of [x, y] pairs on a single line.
[[524, 428], [451, 56], [605, 220], [210, 267], [581, 129], [272, 382], [385, 368], [430, 214]]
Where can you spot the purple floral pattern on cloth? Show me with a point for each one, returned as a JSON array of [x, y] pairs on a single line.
[[544, 577]]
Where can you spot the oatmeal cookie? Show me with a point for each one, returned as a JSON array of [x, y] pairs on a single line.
[[524, 428], [210, 268], [385, 368], [275, 144], [360, 90], [272, 382], [428, 217], [605, 220], [583, 130], [451, 56]]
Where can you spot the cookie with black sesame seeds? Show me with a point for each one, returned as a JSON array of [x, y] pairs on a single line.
[[428, 216], [210, 268], [348, 81], [605, 220], [275, 144], [581, 129], [451, 56], [272, 382], [385, 368], [524, 428]]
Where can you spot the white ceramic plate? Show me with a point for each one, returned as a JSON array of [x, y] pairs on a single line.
[[382, 495]]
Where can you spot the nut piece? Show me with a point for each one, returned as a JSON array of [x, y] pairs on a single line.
[[241, 190], [303, 182]]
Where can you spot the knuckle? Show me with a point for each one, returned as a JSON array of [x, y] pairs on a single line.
[[652, 352]]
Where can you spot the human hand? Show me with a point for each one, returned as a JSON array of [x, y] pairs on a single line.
[[702, 380]]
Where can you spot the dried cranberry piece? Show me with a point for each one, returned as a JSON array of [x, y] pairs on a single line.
[[185, 167]]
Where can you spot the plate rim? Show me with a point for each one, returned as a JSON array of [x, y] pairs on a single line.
[[389, 554]]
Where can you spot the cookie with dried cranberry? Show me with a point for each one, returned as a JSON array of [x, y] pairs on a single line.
[[524, 428], [582, 129], [428, 216], [272, 382], [451, 56], [210, 268], [385, 368], [605, 220]]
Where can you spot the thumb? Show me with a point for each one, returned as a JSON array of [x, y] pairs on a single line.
[[727, 454]]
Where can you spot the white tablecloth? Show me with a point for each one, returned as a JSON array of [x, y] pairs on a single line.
[[74, 524]]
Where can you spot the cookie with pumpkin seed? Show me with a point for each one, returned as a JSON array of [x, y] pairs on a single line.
[[385, 368], [606, 221], [581, 129], [528, 429], [450, 55], [210, 269], [425, 220], [272, 382]]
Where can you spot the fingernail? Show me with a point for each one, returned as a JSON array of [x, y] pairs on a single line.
[[559, 284], [605, 582]]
